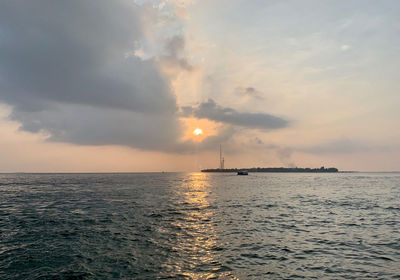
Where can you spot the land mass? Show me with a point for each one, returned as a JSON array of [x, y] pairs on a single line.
[[276, 169]]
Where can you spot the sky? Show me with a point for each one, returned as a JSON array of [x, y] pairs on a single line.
[[120, 86]]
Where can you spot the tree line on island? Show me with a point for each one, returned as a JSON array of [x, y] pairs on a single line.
[[274, 169]]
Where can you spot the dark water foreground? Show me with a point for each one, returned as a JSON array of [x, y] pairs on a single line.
[[199, 226]]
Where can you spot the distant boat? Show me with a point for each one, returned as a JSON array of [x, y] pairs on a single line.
[[242, 173]]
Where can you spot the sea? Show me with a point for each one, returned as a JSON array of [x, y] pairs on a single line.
[[200, 226]]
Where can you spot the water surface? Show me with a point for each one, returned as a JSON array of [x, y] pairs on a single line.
[[200, 226]]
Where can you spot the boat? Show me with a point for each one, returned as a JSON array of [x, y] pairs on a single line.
[[243, 172]]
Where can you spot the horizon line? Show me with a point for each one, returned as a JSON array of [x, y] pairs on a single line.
[[129, 172]]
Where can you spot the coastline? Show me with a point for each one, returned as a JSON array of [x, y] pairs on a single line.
[[276, 169]]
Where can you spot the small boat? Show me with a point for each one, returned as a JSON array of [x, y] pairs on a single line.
[[243, 172]]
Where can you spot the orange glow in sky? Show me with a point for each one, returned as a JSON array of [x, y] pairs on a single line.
[[198, 129]]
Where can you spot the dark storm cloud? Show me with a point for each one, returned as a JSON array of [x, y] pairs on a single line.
[[73, 52], [212, 111], [64, 69], [86, 125]]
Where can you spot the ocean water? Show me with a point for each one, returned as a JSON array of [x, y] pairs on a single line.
[[200, 226]]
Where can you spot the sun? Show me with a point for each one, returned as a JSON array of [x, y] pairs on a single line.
[[198, 131]]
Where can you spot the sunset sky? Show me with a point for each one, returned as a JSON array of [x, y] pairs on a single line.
[[99, 85]]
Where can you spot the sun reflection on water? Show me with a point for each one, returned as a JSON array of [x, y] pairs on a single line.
[[198, 240]]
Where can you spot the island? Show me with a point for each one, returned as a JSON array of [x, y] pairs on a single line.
[[276, 169]]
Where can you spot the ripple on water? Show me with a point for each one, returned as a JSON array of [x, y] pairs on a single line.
[[199, 226]]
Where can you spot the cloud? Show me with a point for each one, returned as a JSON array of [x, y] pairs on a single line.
[[249, 92], [212, 111], [71, 71], [86, 125], [73, 52], [64, 71], [174, 48]]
